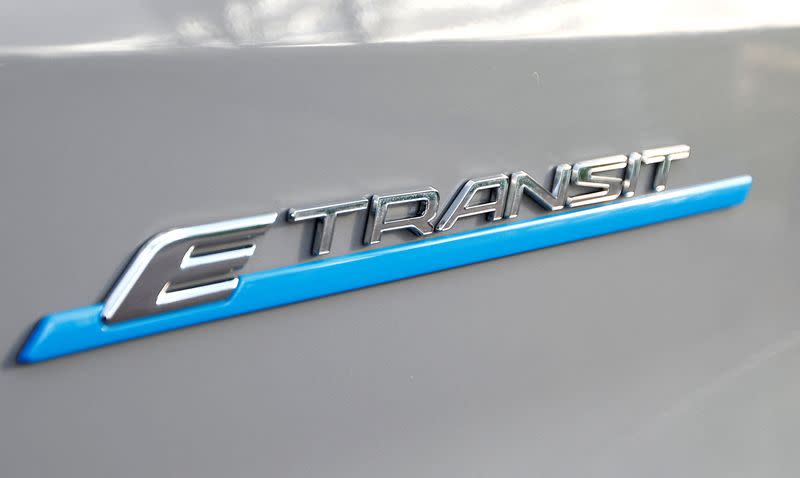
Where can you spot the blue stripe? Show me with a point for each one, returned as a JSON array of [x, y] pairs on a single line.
[[82, 329]]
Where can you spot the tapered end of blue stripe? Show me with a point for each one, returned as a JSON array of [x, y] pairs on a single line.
[[60, 332], [30, 352]]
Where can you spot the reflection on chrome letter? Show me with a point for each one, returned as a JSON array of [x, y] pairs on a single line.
[[522, 182], [420, 224], [609, 187], [325, 221], [664, 158], [185, 266], [461, 206]]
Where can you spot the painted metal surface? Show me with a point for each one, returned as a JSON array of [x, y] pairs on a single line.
[[664, 351]]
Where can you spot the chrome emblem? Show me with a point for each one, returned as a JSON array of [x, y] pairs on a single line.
[[189, 275]]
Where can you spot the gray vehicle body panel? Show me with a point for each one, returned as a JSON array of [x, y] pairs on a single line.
[[665, 351]]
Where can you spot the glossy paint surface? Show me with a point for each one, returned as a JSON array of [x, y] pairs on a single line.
[[82, 329], [664, 351], [54, 28]]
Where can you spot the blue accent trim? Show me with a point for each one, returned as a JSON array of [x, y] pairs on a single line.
[[83, 329]]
